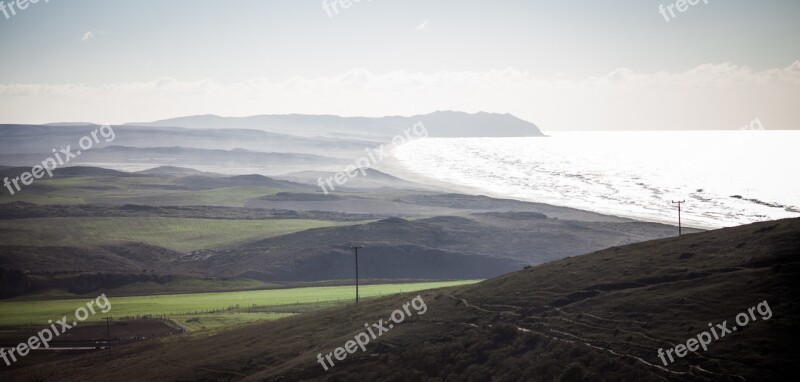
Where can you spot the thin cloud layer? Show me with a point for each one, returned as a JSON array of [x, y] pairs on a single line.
[[709, 96]]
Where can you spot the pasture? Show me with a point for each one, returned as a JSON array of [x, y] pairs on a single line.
[[204, 305]]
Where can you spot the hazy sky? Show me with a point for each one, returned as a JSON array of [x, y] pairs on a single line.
[[561, 64]]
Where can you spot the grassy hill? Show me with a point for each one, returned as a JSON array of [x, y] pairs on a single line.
[[601, 316], [445, 247], [179, 234], [39, 311], [80, 185], [177, 222]]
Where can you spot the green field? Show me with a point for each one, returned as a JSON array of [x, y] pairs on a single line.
[[38, 312], [132, 190], [83, 189], [180, 234], [224, 197]]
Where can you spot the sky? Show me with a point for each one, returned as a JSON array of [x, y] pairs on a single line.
[[564, 65]]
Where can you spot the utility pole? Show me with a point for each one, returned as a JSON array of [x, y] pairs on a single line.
[[355, 248], [108, 334], [679, 214]]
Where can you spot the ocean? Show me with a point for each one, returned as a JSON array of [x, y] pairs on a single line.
[[727, 178]]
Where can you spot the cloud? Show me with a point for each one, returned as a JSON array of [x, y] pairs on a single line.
[[423, 25], [709, 96]]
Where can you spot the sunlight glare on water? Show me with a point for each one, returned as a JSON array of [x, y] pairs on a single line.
[[726, 177]]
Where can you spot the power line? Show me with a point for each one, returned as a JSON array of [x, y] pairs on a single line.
[[355, 249], [679, 214], [108, 334]]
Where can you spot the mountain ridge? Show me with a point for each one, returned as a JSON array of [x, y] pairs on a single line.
[[439, 124]]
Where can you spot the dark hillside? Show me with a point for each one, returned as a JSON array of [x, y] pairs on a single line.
[[597, 317]]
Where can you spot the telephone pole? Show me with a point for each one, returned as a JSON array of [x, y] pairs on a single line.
[[108, 334], [355, 248], [679, 214]]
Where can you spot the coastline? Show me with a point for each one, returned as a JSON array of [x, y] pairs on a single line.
[[393, 167]]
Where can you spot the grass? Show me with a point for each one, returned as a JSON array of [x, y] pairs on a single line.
[[227, 197], [180, 234], [38, 312], [221, 197], [133, 190], [42, 199], [216, 321], [178, 284]]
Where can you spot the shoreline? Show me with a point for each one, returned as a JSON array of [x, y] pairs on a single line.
[[394, 168]]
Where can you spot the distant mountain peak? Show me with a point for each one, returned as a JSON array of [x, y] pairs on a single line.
[[442, 123]]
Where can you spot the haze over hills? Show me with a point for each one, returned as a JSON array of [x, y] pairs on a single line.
[[197, 192], [372, 179], [184, 206], [191, 202], [180, 222], [265, 144], [439, 124], [186, 157], [176, 171], [29, 139]]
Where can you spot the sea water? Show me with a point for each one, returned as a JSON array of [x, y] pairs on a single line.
[[726, 178]]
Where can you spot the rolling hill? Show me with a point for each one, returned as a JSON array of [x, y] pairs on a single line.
[[236, 242], [433, 248], [601, 316], [177, 222]]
